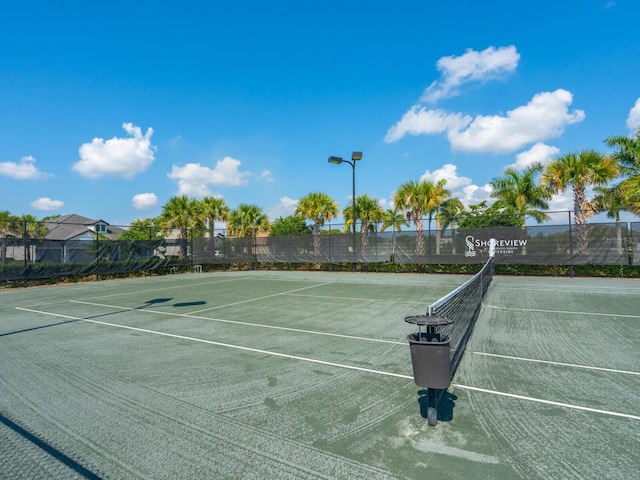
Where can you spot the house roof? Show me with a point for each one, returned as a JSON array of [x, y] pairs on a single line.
[[68, 227]]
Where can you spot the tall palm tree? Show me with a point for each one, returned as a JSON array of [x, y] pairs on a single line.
[[7, 226], [182, 214], [247, 220], [319, 208], [417, 199], [447, 216], [396, 221], [368, 211], [214, 208], [521, 193], [579, 171], [627, 153], [32, 229], [613, 201]]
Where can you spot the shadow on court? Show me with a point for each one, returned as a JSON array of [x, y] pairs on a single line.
[[446, 405], [54, 452], [148, 303]]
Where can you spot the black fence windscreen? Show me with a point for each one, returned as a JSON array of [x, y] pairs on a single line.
[[35, 256]]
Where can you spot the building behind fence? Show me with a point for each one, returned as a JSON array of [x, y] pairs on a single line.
[[96, 248]]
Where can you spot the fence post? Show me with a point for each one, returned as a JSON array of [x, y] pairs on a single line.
[[570, 247], [26, 248]]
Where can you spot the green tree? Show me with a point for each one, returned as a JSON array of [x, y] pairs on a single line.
[[142, 229], [214, 209], [394, 220], [627, 153], [613, 201], [447, 216], [289, 225], [31, 229], [418, 199], [182, 214], [319, 208], [521, 193], [8, 226], [247, 221], [578, 171], [368, 211], [482, 215]]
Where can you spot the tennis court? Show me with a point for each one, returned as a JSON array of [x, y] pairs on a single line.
[[288, 375]]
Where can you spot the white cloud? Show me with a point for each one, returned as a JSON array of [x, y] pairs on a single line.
[[143, 201], [25, 169], [419, 120], [266, 176], [194, 178], [545, 116], [448, 172], [45, 203], [539, 153], [633, 120], [119, 157], [285, 207], [488, 64], [474, 194]]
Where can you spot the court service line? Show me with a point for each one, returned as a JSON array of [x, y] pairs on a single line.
[[171, 287], [549, 362], [221, 344], [262, 298], [633, 291], [498, 307], [548, 402], [237, 322], [333, 364]]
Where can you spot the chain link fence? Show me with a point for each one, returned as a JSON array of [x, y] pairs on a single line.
[[28, 255]]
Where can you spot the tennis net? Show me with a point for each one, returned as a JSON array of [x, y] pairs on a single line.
[[462, 305]]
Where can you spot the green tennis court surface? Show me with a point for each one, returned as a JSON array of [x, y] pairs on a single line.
[[260, 375]]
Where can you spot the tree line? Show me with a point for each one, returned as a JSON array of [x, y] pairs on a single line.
[[518, 194]]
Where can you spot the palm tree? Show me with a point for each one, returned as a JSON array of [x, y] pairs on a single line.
[[214, 208], [319, 208], [7, 227], [578, 171], [247, 221], [32, 229], [627, 154], [418, 199], [368, 211], [182, 214], [521, 193], [613, 201], [396, 221], [447, 216]]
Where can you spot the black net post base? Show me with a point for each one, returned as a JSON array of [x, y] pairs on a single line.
[[430, 351]]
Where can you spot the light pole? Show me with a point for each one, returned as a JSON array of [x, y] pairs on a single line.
[[355, 156]]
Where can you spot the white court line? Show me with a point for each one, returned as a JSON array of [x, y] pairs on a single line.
[[330, 297], [588, 290], [172, 287], [548, 402], [236, 322], [262, 298], [220, 344], [332, 364], [497, 307], [548, 362]]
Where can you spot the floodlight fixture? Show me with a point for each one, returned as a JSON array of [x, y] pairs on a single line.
[[355, 156]]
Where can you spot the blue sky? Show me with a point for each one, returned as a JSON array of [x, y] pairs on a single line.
[[108, 109]]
